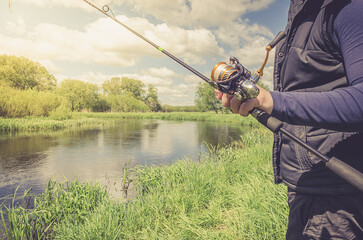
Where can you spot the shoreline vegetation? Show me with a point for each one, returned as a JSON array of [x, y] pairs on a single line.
[[95, 120], [227, 193]]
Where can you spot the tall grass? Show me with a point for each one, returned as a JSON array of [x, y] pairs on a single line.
[[189, 116], [43, 123], [72, 201], [226, 194], [95, 120]]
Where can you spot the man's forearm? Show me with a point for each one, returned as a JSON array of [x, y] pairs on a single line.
[[341, 109]]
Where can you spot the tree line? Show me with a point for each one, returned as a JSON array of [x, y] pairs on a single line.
[[28, 89]]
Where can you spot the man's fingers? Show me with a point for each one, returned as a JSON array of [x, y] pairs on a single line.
[[218, 94], [226, 100], [235, 105], [247, 106]]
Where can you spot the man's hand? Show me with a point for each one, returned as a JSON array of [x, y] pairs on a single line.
[[263, 101]]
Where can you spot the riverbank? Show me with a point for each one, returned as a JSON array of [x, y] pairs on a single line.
[[228, 194], [97, 120], [188, 116]]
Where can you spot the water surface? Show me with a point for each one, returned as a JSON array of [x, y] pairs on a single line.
[[32, 159]]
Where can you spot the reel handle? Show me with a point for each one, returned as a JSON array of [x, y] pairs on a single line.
[[269, 47], [276, 40], [233, 60]]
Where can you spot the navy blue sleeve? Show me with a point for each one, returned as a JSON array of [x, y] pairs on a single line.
[[340, 109]]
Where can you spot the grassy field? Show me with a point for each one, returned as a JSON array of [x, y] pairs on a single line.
[[226, 194], [96, 120]]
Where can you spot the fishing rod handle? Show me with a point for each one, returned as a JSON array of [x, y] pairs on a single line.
[[346, 172], [267, 120]]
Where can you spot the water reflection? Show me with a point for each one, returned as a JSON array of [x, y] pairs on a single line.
[[216, 134], [31, 160]]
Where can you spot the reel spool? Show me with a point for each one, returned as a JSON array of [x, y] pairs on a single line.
[[223, 72]]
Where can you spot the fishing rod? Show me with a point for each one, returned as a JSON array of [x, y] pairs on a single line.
[[226, 79], [238, 81]]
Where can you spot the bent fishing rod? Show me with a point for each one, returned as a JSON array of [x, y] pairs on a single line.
[[238, 81]]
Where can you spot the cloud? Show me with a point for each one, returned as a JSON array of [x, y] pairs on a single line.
[[193, 78], [105, 42], [160, 72], [247, 41], [193, 13], [71, 3], [239, 33], [267, 77], [91, 77], [190, 13], [253, 54]]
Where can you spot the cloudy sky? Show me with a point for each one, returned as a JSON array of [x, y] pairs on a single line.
[[73, 40]]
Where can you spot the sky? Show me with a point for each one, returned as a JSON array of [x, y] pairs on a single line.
[[75, 41]]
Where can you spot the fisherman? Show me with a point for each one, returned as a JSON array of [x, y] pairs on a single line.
[[318, 83]]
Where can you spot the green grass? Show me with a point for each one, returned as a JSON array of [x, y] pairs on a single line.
[[187, 116], [43, 123], [227, 194], [96, 120], [71, 201]]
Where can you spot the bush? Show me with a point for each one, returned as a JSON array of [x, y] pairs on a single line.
[[61, 113], [19, 103], [126, 103]]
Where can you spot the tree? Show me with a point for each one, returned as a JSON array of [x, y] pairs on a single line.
[[126, 103], [121, 86], [167, 108], [101, 104], [128, 95], [81, 95], [24, 74], [112, 86], [135, 87], [152, 99], [205, 98]]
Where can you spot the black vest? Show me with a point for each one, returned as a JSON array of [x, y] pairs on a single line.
[[307, 60]]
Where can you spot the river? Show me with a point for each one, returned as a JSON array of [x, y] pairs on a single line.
[[30, 160]]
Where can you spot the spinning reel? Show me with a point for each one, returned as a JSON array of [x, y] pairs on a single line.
[[236, 80]]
